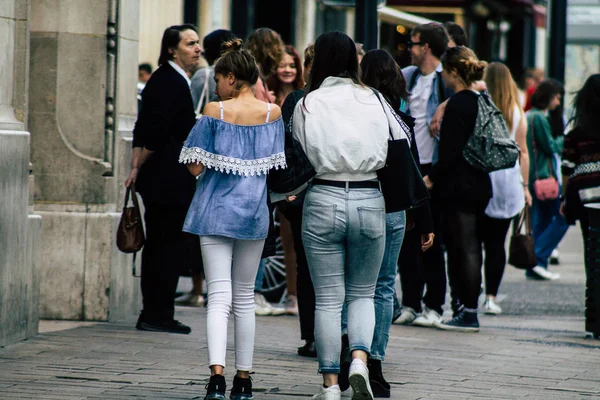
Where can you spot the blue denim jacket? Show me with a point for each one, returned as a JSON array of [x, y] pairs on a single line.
[[434, 99]]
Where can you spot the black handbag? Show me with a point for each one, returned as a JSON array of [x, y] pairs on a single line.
[[521, 251], [401, 181], [299, 169]]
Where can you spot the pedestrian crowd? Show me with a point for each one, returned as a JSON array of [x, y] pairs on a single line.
[[262, 135]]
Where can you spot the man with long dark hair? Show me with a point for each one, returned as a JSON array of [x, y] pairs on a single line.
[[167, 188]]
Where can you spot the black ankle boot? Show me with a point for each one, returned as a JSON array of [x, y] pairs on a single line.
[[378, 383], [215, 389], [242, 389], [345, 360]]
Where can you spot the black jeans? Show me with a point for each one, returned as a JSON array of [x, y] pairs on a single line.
[[464, 245], [167, 252], [494, 240], [418, 268], [304, 287]]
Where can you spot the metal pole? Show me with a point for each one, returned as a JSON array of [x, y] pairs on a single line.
[[366, 23], [242, 17], [558, 39]]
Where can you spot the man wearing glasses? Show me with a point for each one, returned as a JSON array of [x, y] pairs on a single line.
[[428, 43]]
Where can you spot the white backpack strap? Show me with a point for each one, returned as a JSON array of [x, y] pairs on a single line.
[[204, 93], [268, 112], [221, 110]]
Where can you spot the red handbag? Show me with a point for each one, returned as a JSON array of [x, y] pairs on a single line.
[[544, 189]]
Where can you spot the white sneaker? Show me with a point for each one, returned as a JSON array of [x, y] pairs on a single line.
[[348, 393], [554, 257], [359, 380], [545, 274], [261, 305], [491, 307], [428, 318], [330, 393], [407, 316], [278, 309]]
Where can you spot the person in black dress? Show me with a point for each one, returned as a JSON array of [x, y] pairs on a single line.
[[463, 190]]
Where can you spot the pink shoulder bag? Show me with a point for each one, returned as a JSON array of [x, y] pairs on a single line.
[[544, 189]]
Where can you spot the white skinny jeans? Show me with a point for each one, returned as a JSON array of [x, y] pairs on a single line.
[[230, 267]]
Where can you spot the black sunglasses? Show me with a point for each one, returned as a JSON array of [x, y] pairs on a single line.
[[410, 44]]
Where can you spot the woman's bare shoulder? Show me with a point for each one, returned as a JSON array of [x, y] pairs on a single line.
[[212, 110], [275, 112]]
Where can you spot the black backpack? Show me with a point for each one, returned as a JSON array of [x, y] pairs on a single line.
[[490, 147]]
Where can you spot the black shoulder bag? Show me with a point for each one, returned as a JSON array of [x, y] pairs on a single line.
[[401, 181]]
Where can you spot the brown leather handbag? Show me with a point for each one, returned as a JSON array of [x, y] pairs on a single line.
[[130, 234], [521, 251]]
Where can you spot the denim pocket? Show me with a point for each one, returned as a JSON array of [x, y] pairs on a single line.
[[319, 219], [372, 222], [394, 221]]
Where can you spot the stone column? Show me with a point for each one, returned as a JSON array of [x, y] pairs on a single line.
[[155, 17], [306, 15], [19, 231], [82, 103]]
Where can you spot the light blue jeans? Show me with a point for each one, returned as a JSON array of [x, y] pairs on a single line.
[[260, 275], [385, 291], [344, 237]]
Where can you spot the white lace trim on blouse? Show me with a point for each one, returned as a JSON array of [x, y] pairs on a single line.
[[232, 165]]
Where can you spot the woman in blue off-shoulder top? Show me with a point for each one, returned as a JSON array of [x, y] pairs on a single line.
[[236, 142]]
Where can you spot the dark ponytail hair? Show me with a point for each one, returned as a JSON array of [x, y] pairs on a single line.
[[381, 72], [465, 63], [238, 61], [213, 43], [170, 40], [545, 92], [586, 112], [335, 55]]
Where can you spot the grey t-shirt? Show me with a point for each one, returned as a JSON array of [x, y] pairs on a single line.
[[198, 82]]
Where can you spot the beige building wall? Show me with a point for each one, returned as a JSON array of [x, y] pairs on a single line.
[[212, 15], [82, 104], [19, 227], [155, 17]]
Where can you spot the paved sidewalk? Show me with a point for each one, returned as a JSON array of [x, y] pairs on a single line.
[[508, 359], [536, 350]]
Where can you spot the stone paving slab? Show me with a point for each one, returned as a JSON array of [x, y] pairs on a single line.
[[551, 360], [535, 350]]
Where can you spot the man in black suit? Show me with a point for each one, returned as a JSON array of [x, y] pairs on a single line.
[[167, 188]]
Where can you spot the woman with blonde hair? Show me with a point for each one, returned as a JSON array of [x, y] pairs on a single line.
[[509, 186], [267, 48], [464, 190]]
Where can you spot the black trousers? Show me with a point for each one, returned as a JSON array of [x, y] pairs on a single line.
[[494, 240], [464, 244], [418, 268], [166, 254], [304, 286]]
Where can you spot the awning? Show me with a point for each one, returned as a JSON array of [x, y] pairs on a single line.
[[397, 17]]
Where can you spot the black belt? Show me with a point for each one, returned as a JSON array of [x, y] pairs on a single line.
[[348, 184]]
